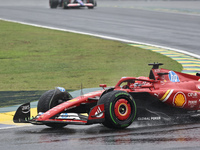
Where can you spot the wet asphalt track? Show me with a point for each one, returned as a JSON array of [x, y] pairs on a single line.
[[172, 24], [97, 137]]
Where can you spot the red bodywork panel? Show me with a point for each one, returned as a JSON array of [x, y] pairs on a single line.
[[171, 87], [177, 89]]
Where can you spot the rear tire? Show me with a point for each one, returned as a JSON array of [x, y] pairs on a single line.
[[120, 109], [53, 3]]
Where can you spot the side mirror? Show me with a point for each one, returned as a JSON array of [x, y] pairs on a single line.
[[103, 85]]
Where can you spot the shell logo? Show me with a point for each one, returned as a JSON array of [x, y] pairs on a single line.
[[179, 99]]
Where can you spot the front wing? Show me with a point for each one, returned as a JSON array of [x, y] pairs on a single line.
[[96, 115], [80, 5]]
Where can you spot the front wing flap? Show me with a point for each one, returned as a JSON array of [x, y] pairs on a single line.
[[81, 4], [22, 114]]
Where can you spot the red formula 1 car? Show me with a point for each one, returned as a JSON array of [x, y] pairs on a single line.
[[166, 96], [72, 3]]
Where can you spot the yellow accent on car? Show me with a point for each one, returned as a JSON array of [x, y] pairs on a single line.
[[165, 95]]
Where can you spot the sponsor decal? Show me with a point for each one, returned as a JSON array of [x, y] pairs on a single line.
[[156, 94], [99, 113], [148, 118], [143, 118], [157, 70], [70, 108], [179, 99], [71, 116], [163, 80], [47, 113], [167, 95], [121, 94], [192, 103], [155, 118], [193, 95], [173, 77], [26, 109]]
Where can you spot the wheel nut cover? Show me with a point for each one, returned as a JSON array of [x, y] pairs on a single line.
[[122, 109]]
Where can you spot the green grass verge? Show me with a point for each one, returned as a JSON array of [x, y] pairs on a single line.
[[33, 58]]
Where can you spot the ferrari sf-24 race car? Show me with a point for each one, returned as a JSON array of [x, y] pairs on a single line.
[[72, 3], [166, 96]]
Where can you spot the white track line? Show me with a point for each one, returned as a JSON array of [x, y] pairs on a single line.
[[14, 126]]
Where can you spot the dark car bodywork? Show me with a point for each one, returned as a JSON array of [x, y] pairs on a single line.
[[72, 3]]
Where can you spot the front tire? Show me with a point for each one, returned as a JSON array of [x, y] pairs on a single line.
[[65, 3], [51, 99], [93, 2], [120, 109]]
